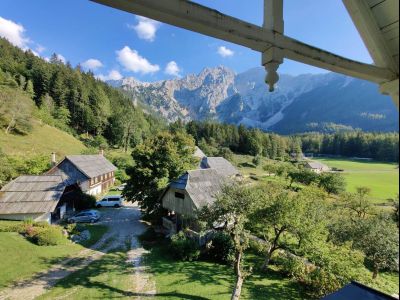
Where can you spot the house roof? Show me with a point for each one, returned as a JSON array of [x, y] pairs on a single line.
[[92, 165], [199, 153], [316, 165], [202, 185], [220, 164], [355, 290], [31, 194]]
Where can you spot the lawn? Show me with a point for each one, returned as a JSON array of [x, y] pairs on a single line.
[[107, 278], [382, 178], [43, 139], [20, 258], [205, 280]]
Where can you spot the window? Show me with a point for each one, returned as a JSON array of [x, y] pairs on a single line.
[[179, 195]]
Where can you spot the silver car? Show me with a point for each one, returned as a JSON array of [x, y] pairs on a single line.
[[88, 216]]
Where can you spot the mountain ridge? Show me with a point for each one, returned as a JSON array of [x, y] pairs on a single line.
[[300, 103]]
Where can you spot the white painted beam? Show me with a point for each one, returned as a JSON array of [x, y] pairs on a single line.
[[198, 18], [371, 34], [392, 89]]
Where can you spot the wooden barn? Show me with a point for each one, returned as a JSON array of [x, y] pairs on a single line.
[[32, 197], [94, 174], [185, 196], [316, 167]]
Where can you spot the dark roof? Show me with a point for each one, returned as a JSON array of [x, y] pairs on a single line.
[[220, 164], [355, 290], [202, 185], [92, 165], [31, 194]]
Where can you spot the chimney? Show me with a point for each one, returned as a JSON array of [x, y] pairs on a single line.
[[53, 159], [101, 152]]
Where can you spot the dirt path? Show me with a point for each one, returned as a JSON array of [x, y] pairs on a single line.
[[124, 227]]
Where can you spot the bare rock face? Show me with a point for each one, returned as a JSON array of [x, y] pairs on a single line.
[[299, 103]]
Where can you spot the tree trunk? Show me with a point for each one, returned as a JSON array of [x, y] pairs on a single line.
[[10, 125], [239, 279], [375, 273], [238, 288], [266, 261]]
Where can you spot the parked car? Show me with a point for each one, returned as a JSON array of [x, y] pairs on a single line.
[[121, 187], [110, 201], [86, 216]]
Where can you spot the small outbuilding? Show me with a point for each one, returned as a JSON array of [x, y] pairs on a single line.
[[316, 167], [32, 197], [94, 174], [355, 290]]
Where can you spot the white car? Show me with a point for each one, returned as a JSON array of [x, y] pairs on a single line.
[[110, 201], [121, 187]]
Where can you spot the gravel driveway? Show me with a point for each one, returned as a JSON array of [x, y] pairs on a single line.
[[124, 227]]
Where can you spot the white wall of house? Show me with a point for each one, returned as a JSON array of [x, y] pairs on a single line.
[[44, 217], [95, 190]]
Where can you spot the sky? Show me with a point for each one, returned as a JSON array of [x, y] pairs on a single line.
[[115, 44]]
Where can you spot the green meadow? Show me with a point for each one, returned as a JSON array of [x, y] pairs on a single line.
[[381, 178]]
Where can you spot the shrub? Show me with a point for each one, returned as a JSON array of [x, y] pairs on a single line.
[[10, 226], [222, 248], [51, 236], [292, 266], [74, 228], [184, 248]]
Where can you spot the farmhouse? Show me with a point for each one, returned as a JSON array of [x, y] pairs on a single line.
[[189, 193], [221, 165], [94, 174], [316, 167], [32, 197]]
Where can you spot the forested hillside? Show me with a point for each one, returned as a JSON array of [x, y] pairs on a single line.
[[220, 139], [65, 97]]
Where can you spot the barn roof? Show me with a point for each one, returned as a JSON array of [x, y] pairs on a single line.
[[316, 165], [220, 164], [355, 290], [202, 185], [92, 165], [199, 153], [31, 194]]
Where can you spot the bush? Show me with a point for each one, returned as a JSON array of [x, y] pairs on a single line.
[[222, 248], [74, 228], [184, 248], [10, 226], [292, 266], [50, 236]]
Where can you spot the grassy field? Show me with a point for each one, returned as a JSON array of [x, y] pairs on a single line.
[[108, 278], [20, 258], [382, 178], [205, 280], [43, 139]]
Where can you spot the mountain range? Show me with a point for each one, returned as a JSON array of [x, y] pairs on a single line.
[[309, 102]]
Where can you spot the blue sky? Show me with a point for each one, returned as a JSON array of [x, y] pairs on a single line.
[[115, 43]]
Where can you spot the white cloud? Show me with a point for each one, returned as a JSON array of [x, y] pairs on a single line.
[[146, 29], [40, 48], [132, 61], [225, 52], [14, 33], [61, 58], [112, 75], [92, 64], [173, 69]]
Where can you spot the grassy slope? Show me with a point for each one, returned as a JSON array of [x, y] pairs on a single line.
[[15, 249], [43, 139], [382, 178]]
